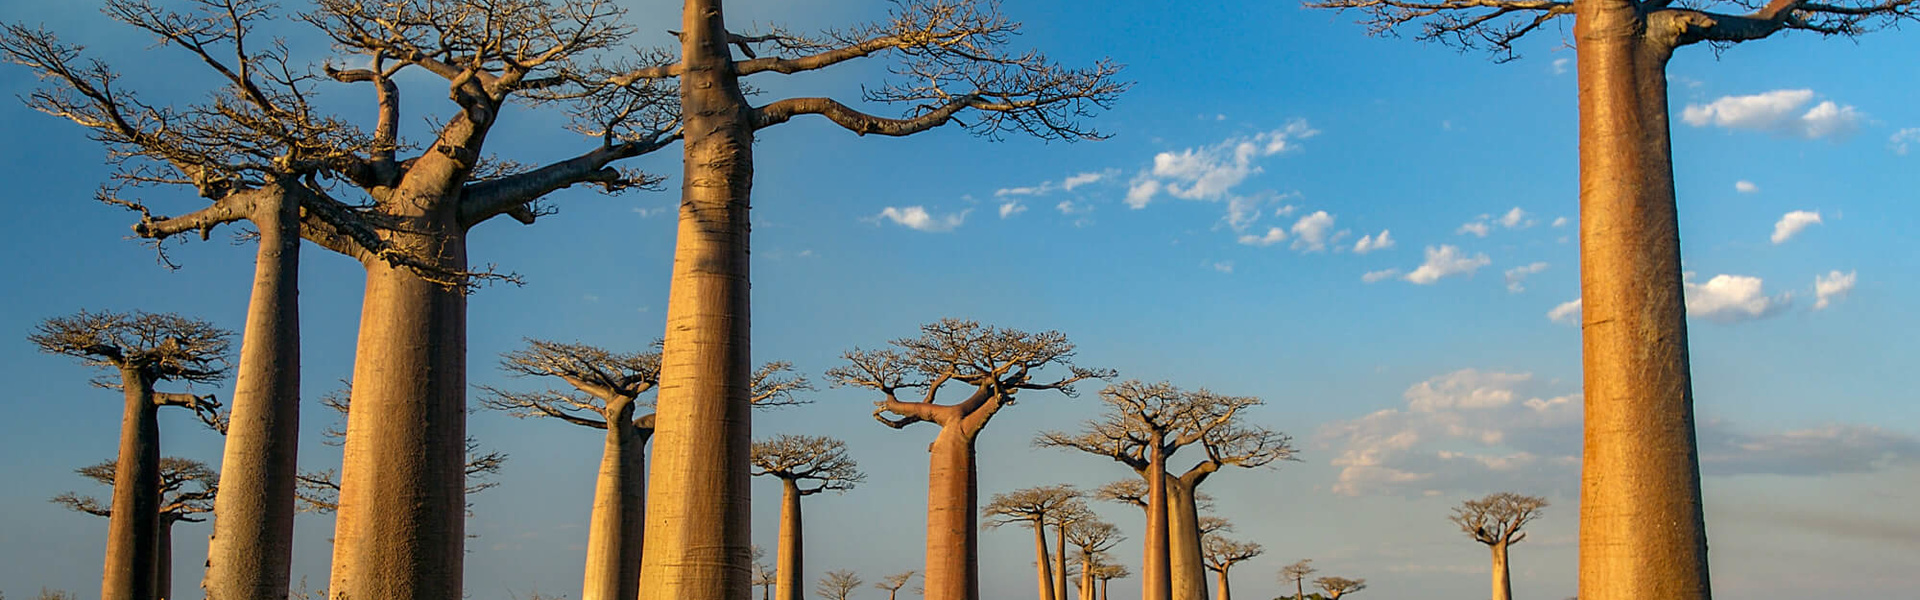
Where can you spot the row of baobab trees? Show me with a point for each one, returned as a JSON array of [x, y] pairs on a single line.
[[263, 147]]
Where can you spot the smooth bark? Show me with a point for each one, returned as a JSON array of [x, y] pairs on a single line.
[[1042, 564], [788, 572], [618, 525], [1642, 530], [1502, 583], [163, 560], [1060, 561], [1156, 566], [1226, 593], [1188, 568], [250, 554], [953, 567], [133, 528], [697, 536]]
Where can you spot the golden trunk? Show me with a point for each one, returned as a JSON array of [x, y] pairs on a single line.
[[1502, 584], [133, 526], [1042, 565], [953, 571], [1156, 568], [789, 572], [1188, 568], [619, 513]]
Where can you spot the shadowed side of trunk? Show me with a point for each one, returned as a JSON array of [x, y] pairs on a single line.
[[1188, 568], [133, 527], [1156, 568], [619, 513], [163, 560], [251, 551], [1642, 531], [953, 569], [1060, 562]]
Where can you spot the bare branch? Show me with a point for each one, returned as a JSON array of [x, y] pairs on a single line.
[[818, 464], [160, 346], [1497, 519]]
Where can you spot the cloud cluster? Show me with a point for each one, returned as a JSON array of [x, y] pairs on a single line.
[[917, 218], [1517, 276], [1482, 225], [1370, 243], [1903, 139], [1776, 112], [1733, 298], [1446, 261], [1211, 172]]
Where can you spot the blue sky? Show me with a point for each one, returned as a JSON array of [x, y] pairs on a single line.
[[1444, 378]]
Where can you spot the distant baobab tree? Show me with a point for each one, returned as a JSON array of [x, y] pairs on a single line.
[[319, 491], [1642, 529], [1034, 507], [1496, 521], [1335, 587], [186, 489], [1061, 519], [143, 349], [837, 585], [997, 364], [805, 465], [954, 60], [763, 573], [1105, 572], [893, 583], [1222, 554], [1298, 573], [606, 395], [1091, 537]]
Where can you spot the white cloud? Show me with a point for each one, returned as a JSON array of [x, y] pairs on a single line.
[[1560, 222], [1517, 276], [1310, 232], [1832, 286], [1477, 228], [1515, 219], [1560, 65], [917, 218], [1141, 192], [1445, 261], [1374, 276], [1745, 187], [1225, 266], [1069, 207], [1084, 178], [1273, 236], [1285, 211], [1567, 312], [1211, 172], [1901, 140], [1035, 190], [1048, 187], [1733, 298], [1792, 223], [1774, 112], [1370, 243], [1012, 208]]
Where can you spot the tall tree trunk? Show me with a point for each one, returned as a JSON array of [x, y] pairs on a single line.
[[133, 526], [619, 512], [1060, 562], [401, 521], [1155, 567], [698, 532], [250, 553], [163, 560], [953, 566], [1042, 564], [1086, 578], [1225, 592], [1502, 584], [788, 568], [1183, 541], [1642, 531], [1103, 589]]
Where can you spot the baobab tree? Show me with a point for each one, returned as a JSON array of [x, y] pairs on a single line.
[[1092, 537], [954, 61], [1496, 521], [1147, 424], [1335, 587], [1297, 573], [763, 573], [187, 488], [893, 583], [837, 585], [1072, 512], [805, 465], [998, 364], [1104, 572], [605, 393], [1222, 554], [143, 349], [1642, 530], [1034, 507], [319, 491]]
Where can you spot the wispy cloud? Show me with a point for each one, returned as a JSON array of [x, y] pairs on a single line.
[[1517, 276], [1010, 209], [1370, 243], [1775, 112], [1375, 276], [1745, 187], [917, 218], [1311, 231], [1566, 312], [1831, 287], [1212, 172], [1792, 224], [1273, 236], [1903, 140], [1446, 261]]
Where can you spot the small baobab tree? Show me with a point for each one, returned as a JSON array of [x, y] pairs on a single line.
[[1092, 538], [187, 489], [893, 583], [1335, 587], [805, 465], [143, 349], [838, 585], [1035, 508], [1222, 554], [954, 62], [764, 575], [606, 391], [1297, 573], [1642, 527], [1061, 519], [997, 364], [1105, 571], [1496, 521]]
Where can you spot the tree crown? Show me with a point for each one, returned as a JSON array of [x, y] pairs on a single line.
[[1497, 519], [820, 463]]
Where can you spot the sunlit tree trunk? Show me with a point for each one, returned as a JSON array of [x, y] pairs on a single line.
[[250, 554], [1060, 562], [619, 511], [133, 526], [953, 569], [789, 569], [1502, 584], [1642, 531], [1183, 542], [1042, 564], [1155, 568], [698, 545], [1225, 592]]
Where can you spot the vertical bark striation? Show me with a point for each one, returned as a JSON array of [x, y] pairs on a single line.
[[133, 527]]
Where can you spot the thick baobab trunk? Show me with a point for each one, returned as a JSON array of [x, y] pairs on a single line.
[[1086, 579], [698, 545], [1225, 592], [1502, 585], [133, 526], [619, 512], [1155, 567], [953, 567], [1042, 565], [163, 560], [1642, 531], [401, 521], [1184, 560], [1060, 562], [251, 551], [787, 572]]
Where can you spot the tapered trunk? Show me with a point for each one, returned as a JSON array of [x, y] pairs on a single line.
[[1103, 589], [163, 560], [953, 567], [1042, 565], [1225, 592], [697, 536], [1502, 585], [788, 572], [1156, 567], [1086, 578], [133, 526], [1642, 531], [1183, 542], [401, 521], [619, 512], [251, 551], [1060, 562], [1299, 590]]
